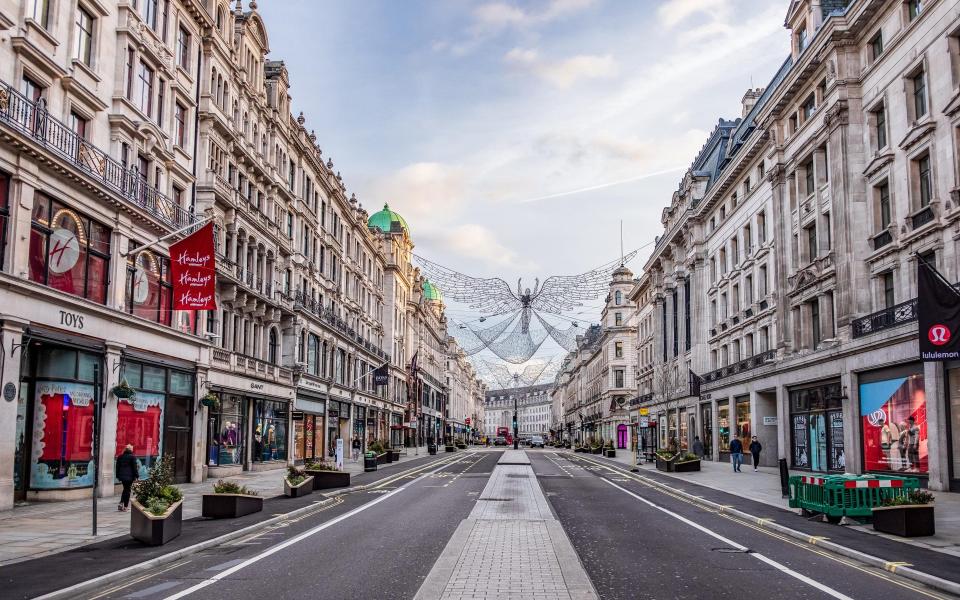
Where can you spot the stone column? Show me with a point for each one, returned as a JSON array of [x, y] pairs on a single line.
[[715, 434], [828, 327], [937, 441], [200, 414], [784, 424], [12, 336], [851, 423], [17, 254], [777, 277], [112, 372]]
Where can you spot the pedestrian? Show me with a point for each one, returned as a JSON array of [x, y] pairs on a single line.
[[913, 444], [755, 449], [127, 471], [697, 446], [736, 454], [356, 448]]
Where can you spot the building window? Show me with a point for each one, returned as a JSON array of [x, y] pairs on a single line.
[[4, 211], [888, 296], [618, 297], [41, 13], [180, 125], [78, 124], [68, 251], [919, 85], [31, 89], [183, 47], [815, 322], [145, 76], [808, 178], [618, 319], [924, 180], [84, 36], [618, 349], [812, 242], [876, 45], [761, 227], [880, 127], [914, 8], [883, 204], [801, 37], [762, 281], [618, 378], [809, 107]]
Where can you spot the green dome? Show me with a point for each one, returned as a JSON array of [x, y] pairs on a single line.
[[388, 221], [431, 292]]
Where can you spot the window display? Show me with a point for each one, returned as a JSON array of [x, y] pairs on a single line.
[[63, 435], [140, 422], [894, 421], [269, 430], [225, 432], [816, 418], [706, 429], [744, 431], [723, 432], [150, 291], [68, 251]]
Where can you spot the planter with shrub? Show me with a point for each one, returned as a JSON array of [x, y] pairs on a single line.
[[685, 463], [665, 461], [326, 476], [297, 483], [157, 515], [450, 448], [907, 516], [230, 500], [211, 401], [124, 391], [609, 451]]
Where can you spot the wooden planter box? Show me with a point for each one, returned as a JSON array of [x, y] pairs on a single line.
[[911, 520], [302, 489], [666, 466], [597, 451], [325, 480], [394, 456], [382, 458], [388, 456], [230, 506], [610, 453], [686, 466], [450, 448], [153, 530]]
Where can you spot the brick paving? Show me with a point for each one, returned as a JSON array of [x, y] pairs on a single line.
[[510, 547]]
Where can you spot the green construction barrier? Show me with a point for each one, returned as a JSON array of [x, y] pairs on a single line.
[[847, 495]]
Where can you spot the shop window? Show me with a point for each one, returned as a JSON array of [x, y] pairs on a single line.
[[68, 251], [723, 431], [270, 431], [893, 414], [817, 428], [226, 432]]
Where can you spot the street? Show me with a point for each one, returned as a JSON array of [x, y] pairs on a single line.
[[393, 540]]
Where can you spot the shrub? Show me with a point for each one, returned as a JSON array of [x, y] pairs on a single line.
[[914, 497], [156, 493], [666, 454], [295, 475], [229, 487], [687, 457], [321, 465], [376, 447]]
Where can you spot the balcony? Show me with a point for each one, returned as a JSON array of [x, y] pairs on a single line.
[[905, 312], [32, 120], [304, 302], [882, 239], [922, 217], [740, 367], [247, 365]]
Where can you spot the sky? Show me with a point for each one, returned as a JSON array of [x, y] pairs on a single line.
[[514, 137]]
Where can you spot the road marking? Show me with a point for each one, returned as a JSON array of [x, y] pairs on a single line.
[[299, 538], [783, 568]]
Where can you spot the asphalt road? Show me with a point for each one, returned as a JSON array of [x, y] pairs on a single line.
[[637, 541], [379, 543]]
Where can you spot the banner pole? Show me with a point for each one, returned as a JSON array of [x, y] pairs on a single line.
[[202, 221]]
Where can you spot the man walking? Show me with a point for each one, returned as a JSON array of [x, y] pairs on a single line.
[[736, 454], [356, 448], [755, 449], [697, 446], [127, 471]]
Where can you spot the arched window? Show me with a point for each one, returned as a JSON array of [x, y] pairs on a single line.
[[273, 349]]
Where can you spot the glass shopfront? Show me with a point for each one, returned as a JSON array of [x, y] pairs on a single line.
[[307, 437], [744, 429], [158, 420], [816, 417], [54, 431], [396, 430], [269, 430], [360, 426], [706, 429], [227, 432], [723, 432], [337, 413], [893, 414], [683, 431]]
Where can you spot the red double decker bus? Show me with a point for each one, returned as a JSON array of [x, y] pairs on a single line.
[[506, 433]]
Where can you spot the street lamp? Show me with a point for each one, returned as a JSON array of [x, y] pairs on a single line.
[[516, 440]]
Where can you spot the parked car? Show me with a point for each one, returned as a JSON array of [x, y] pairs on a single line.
[[536, 442], [500, 441]]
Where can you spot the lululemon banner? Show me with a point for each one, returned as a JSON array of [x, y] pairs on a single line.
[[938, 315], [193, 266]]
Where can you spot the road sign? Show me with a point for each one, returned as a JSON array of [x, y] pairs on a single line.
[[644, 421]]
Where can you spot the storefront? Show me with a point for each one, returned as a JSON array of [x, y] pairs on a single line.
[[706, 430], [308, 429], [360, 426], [270, 418], [227, 432], [396, 430], [723, 431], [893, 420], [816, 421], [338, 420], [744, 426]]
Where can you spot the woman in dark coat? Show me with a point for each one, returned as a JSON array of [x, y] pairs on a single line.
[[128, 471]]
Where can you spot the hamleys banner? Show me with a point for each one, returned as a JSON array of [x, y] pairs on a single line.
[[193, 267]]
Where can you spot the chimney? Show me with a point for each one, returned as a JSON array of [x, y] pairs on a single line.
[[750, 99]]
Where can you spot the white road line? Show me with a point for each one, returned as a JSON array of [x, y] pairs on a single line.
[[301, 537], [815, 584]]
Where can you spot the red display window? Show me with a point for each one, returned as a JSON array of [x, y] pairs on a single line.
[[150, 291], [64, 420], [68, 251]]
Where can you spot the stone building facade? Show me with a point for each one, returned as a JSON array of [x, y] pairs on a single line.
[[532, 409], [124, 123], [795, 236]]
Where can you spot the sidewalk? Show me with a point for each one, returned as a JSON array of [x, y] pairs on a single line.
[[42, 528], [764, 486]]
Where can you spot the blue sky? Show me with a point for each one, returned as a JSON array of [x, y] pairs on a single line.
[[474, 119]]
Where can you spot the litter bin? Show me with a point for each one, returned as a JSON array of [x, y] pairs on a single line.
[[847, 495], [431, 448], [369, 461]]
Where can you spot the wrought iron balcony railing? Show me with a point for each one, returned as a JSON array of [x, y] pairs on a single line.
[[739, 367], [905, 312], [34, 121]]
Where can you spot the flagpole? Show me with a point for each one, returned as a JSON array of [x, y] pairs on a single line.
[[202, 221], [937, 273]]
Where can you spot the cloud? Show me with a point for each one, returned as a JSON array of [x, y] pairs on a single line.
[[500, 15], [423, 190], [476, 242], [566, 72], [676, 11]]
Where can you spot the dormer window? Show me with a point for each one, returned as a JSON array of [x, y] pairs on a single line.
[[801, 37]]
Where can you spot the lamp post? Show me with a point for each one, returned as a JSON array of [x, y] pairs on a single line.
[[516, 440]]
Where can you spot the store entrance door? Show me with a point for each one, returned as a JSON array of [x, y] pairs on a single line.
[[177, 436], [621, 436]]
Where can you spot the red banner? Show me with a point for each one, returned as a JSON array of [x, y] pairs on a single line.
[[193, 267]]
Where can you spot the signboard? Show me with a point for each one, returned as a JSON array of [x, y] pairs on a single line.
[[193, 269], [467, 420], [769, 420], [644, 412], [938, 315], [644, 421], [339, 454], [381, 375], [412, 425]]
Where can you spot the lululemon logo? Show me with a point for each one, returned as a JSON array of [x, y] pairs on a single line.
[[938, 335]]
